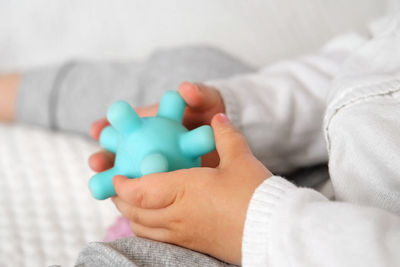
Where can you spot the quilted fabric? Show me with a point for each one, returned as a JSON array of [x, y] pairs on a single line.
[[46, 211]]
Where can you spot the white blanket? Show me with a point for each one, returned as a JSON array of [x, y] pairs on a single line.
[[46, 211]]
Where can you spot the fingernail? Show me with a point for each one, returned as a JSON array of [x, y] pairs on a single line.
[[222, 118], [198, 87]]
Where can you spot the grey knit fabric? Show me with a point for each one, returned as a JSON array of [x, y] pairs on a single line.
[[70, 97], [134, 251]]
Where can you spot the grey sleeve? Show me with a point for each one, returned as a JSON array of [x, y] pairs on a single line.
[[136, 251], [71, 96]]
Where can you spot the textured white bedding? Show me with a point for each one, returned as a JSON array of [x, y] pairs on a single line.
[[46, 211]]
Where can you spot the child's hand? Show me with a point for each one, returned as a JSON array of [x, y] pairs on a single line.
[[203, 209], [203, 103]]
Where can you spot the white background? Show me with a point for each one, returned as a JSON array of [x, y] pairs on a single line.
[[40, 32]]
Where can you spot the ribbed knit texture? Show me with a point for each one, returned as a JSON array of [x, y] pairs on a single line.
[[265, 202]]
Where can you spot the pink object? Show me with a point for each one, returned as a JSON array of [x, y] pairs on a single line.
[[120, 229]]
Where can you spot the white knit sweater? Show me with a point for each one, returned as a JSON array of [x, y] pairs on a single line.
[[351, 90]]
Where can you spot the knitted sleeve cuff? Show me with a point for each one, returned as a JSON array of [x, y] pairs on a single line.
[[35, 95], [264, 203]]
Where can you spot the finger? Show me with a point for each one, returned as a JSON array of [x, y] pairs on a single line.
[[158, 234], [97, 127], [153, 191], [229, 142], [101, 161], [198, 96], [147, 217], [148, 111]]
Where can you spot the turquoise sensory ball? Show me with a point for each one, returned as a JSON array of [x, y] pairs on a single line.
[[150, 144]]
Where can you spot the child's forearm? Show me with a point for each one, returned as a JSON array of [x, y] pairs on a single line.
[[8, 95]]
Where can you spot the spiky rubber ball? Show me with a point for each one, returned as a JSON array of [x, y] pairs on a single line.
[[151, 144]]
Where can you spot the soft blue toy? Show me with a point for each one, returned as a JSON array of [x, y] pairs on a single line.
[[149, 145]]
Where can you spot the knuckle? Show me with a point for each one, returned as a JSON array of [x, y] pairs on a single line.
[[134, 216], [224, 131], [231, 135], [138, 198], [178, 233], [175, 222]]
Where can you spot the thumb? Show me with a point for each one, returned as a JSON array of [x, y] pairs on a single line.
[[229, 141]]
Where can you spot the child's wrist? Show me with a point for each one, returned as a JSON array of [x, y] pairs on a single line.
[[8, 96]]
